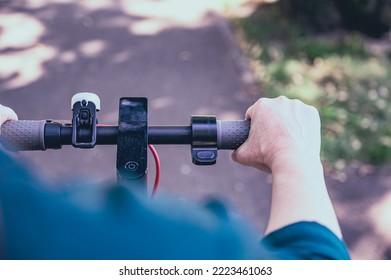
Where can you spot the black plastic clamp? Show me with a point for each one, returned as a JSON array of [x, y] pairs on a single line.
[[204, 143]]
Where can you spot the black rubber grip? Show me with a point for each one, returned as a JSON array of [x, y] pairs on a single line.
[[232, 134], [24, 135]]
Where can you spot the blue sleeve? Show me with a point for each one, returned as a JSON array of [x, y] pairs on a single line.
[[113, 222], [116, 223], [305, 241]]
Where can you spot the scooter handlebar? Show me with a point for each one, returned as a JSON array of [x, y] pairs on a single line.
[[29, 135]]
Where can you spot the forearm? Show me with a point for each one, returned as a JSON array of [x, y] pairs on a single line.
[[299, 194]]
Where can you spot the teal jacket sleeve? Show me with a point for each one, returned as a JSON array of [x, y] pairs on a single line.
[[305, 241], [112, 222]]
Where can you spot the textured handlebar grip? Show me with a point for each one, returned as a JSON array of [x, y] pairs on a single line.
[[232, 134], [23, 135]]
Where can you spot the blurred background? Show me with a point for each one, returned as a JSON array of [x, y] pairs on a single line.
[[215, 57]]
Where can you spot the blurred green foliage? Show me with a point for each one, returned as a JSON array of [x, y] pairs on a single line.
[[335, 72]]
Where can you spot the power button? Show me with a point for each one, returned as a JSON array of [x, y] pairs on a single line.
[[204, 156]]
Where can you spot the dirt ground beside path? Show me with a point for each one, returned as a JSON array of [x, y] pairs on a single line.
[[362, 199], [183, 58]]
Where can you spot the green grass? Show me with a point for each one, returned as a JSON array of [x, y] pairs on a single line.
[[349, 86]]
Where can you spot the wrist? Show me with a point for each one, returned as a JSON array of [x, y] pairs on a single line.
[[299, 193], [296, 163]]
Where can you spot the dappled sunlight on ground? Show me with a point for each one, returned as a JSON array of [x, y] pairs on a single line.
[[19, 30], [21, 33], [159, 15], [88, 4], [92, 48], [362, 201], [380, 214], [21, 54], [372, 244], [21, 68], [162, 102]]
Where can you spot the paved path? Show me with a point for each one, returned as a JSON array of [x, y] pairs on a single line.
[[184, 60]]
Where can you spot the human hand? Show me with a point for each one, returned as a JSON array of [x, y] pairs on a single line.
[[283, 132], [285, 138], [6, 114]]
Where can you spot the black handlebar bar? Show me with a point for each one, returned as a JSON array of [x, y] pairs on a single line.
[[25, 135]]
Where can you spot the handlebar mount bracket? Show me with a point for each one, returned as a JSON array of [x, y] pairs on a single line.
[[132, 141]]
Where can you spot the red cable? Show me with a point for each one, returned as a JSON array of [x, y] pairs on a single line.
[[157, 162]]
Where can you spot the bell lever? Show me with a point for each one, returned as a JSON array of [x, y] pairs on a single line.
[[84, 107]]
